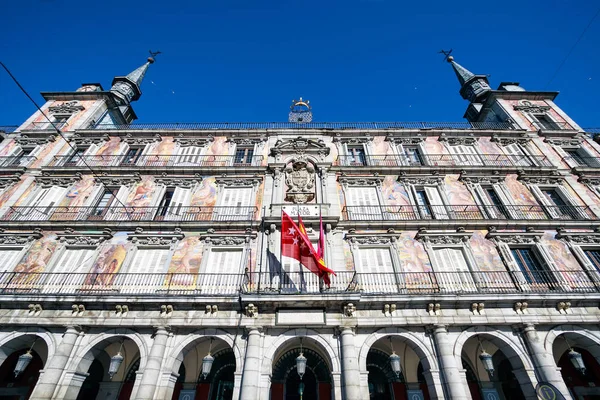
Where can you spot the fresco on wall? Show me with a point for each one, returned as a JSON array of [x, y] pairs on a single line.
[[109, 261], [110, 148], [519, 192], [341, 198], [160, 153], [9, 192], [381, 147], [555, 116], [36, 260], [25, 197], [486, 146], [415, 264], [433, 146], [73, 121], [219, 147], [566, 263], [259, 199], [485, 253], [8, 147], [456, 192], [395, 196], [185, 263], [205, 194], [141, 194], [78, 194]]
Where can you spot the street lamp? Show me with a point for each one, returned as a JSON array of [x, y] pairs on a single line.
[[207, 361], [395, 360], [115, 362], [24, 360], [486, 359], [301, 362], [576, 358]]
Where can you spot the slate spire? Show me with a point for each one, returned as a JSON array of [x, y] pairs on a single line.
[[474, 88], [128, 88]]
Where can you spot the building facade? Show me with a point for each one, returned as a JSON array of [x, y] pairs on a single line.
[[135, 257]]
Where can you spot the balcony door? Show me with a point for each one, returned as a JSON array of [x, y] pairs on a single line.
[[453, 274], [363, 204], [235, 204], [376, 270], [43, 204], [222, 271]]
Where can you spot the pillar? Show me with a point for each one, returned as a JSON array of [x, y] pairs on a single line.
[[151, 373], [455, 386], [350, 371], [251, 374], [543, 361], [56, 365]]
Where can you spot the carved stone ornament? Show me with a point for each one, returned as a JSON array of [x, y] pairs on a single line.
[[177, 182], [372, 240], [580, 237], [300, 180], [421, 180], [515, 237], [120, 180], [506, 141], [360, 180], [565, 142], [26, 141], [85, 241], [528, 107], [11, 239], [69, 107], [8, 181], [247, 141], [163, 240], [140, 140], [441, 238], [226, 240], [349, 310], [486, 180], [86, 140], [251, 311], [540, 180], [300, 147], [185, 141], [458, 140], [591, 181], [238, 182], [62, 181], [405, 140], [353, 139]]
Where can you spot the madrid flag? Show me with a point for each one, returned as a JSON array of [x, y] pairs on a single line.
[[295, 244]]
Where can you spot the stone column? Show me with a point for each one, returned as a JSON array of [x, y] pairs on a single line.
[[543, 361], [456, 387], [251, 374], [350, 371], [54, 369], [151, 373]]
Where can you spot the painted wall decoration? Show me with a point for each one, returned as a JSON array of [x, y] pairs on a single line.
[[219, 147], [456, 192], [185, 263], [109, 261], [394, 193], [433, 147], [565, 262], [74, 121], [10, 191], [486, 146], [519, 192], [78, 194], [522, 115], [110, 148], [412, 254], [381, 147], [206, 194], [142, 193], [36, 260], [8, 147], [485, 253]]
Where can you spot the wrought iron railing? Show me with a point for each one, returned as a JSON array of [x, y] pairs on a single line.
[[278, 282], [120, 213], [156, 160], [310, 125], [447, 160], [579, 161], [551, 125], [466, 212], [16, 161], [419, 283]]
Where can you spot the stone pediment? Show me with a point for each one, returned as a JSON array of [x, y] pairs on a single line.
[[301, 146]]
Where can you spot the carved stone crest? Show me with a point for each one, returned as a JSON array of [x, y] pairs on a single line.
[[69, 107], [300, 180]]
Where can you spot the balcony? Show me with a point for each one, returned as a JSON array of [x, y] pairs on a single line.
[[156, 160], [311, 125], [294, 283], [16, 161], [445, 160], [467, 212], [581, 162], [120, 213]]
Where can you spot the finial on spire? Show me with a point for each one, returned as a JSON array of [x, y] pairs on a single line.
[[153, 54], [447, 56]]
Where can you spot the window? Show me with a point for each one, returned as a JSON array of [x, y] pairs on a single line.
[[132, 156], [165, 202], [174, 205], [58, 121], [543, 121], [104, 202], [531, 268], [429, 203], [412, 155], [356, 155], [517, 155], [465, 155], [594, 257], [8, 259], [149, 261], [22, 159], [362, 203], [42, 205], [376, 270], [453, 273], [74, 260], [243, 156], [235, 204], [493, 206], [75, 158], [190, 155], [578, 157], [558, 203], [222, 271]]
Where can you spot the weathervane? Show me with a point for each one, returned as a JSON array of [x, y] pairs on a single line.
[[152, 55], [447, 56]]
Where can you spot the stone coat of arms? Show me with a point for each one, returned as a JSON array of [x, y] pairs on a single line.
[[300, 179]]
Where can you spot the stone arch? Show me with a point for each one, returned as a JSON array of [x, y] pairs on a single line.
[[516, 355], [176, 357], [10, 342], [82, 361], [579, 334], [313, 337], [425, 355]]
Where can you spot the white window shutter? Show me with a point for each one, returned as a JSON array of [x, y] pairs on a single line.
[[8, 259], [179, 202], [576, 211], [376, 270], [567, 158], [551, 208], [117, 209], [364, 203], [437, 205], [74, 261], [149, 261], [516, 155], [235, 203], [222, 272]]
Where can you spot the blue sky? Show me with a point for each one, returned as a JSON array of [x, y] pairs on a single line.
[[363, 60]]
